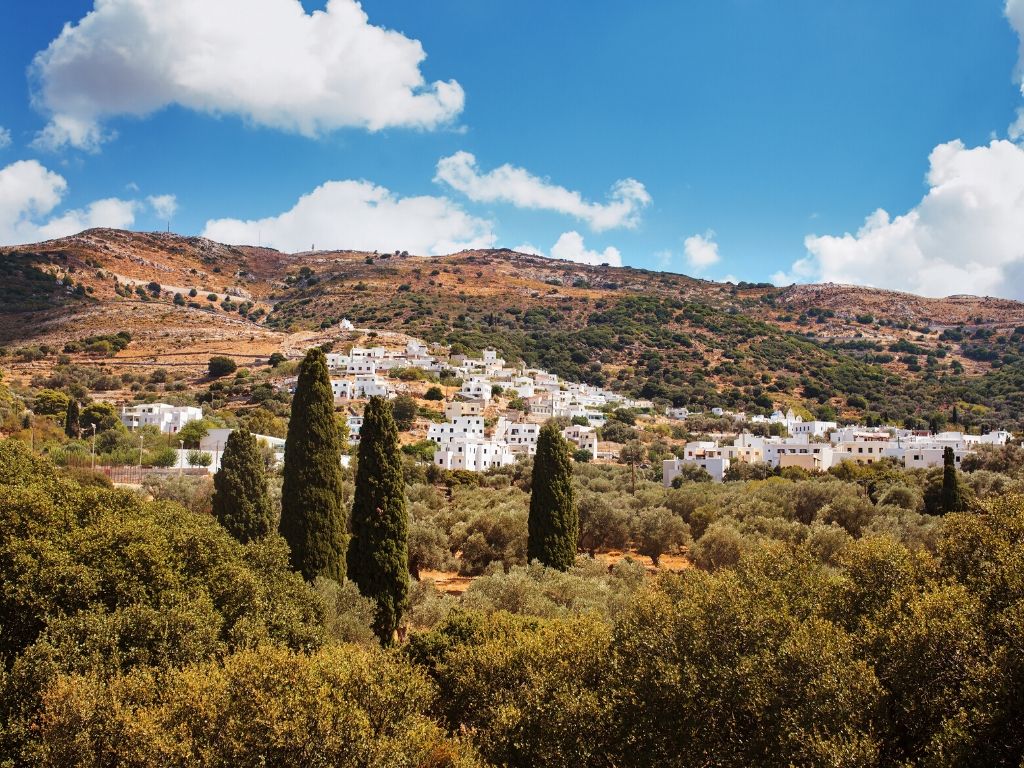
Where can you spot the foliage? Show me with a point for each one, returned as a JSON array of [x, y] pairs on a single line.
[[72, 418], [50, 402], [952, 499], [193, 432], [220, 365], [554, 519], [199, 458], [101, 415], [378, 550], [404, 410], [312, 517], [240, 500]]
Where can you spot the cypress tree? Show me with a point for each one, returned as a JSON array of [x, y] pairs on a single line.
[[378, 554], [952, 498], [554, 520], [72, 418], [312, 518], [240, 500]]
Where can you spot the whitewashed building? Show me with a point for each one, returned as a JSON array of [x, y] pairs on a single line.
[[812, 428], [473, 454], [459, 427], [453, 409], [476, 388], [584, 438], [714, 464], [167, 418], [521, 436]]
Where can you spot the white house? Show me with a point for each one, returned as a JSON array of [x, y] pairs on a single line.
[[456, 408], [925, 456], [167, 418], [361, 366], [476, 388], [337, 361], [584, 438], [799, 452], [460, 426], [363, 386], [715, 465], [473, 454], [746, 447], [372, 385], [521, 436], [812, 428]]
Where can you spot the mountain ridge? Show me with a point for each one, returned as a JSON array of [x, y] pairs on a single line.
[[670, 337]]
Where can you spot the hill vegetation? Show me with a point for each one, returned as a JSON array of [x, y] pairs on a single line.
[[859, 353], [825, 621]]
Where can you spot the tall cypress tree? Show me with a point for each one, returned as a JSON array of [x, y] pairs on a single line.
[[312, 518], [952, 498], [72, 418], [240, 499], [378, 554], [554, 520]]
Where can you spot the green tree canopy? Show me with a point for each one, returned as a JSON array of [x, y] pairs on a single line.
[[378, 552], [952, 497], [553, 527], [240, 499], [72, 417], [312, 518]]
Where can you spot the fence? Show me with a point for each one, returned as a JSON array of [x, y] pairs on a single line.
[[135, 475]]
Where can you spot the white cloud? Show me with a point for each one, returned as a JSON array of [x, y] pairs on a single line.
[[571, 248], [5, 138], [965, 236], [701, 251], [522, 189], [110, 212], [359, 215], [29, 193], [529, 248], [267, 61], [164, 206]]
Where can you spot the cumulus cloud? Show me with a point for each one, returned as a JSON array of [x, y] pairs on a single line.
[[965, 236], [359, 215], [5, 138], [267, 61], [701, 251], [29, 193], [110, 212], [509, 184], [529, 248], [571, 248], [164, 206]]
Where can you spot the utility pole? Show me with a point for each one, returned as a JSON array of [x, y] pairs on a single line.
[[181, 456], [93, 447]]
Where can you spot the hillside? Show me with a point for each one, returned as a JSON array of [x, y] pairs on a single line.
[[856, 352]]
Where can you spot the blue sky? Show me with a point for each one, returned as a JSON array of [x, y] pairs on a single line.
[[749, 124]]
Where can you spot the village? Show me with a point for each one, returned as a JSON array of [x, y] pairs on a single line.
[[493, 412]]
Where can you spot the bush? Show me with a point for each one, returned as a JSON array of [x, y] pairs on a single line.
[[220, 365], [199, 458]]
